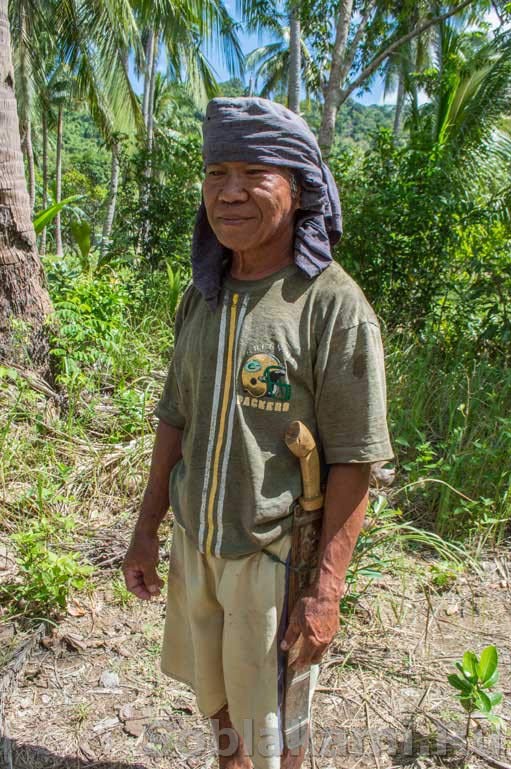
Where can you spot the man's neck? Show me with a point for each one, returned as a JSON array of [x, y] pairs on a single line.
[[256, 264]]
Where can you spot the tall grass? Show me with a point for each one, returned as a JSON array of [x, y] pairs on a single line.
[[450, 415]]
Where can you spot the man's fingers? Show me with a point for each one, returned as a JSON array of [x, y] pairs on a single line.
[[142, 584], [135, 584], [310, 654], [141, 592], [291, 637], [152, 581]]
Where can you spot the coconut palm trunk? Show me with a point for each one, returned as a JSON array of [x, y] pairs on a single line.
[[295, 64], [112, 198], [400, 103], [149, 53], [42, 243], [23, 295], [58, 180], [26, 106], [148, 102]]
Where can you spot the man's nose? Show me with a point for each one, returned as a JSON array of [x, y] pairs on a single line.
[[233, 189]]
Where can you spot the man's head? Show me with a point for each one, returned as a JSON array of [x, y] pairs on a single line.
[[248, 204], [253, 147]]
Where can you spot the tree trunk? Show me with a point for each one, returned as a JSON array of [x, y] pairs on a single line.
[[23, 296], [295, 65], [58, 182], [42, 244], [112, 198], [400, 103], [327, 129], [149, 53], [147, 173], [150, 106], [30, 163], [26, 109]]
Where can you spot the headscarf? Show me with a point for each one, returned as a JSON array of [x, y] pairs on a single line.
[[255, 130]]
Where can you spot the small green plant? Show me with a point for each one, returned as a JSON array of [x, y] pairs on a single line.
[[122, 595], [48, 573], [472, 683], [444, 574]]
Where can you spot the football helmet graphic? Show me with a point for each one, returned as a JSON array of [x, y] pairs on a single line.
[[263, 376]]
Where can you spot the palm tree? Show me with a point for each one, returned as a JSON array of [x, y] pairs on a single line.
[[26, 20], [187, 32], [366, 36], [270, 65], [295, 68], [464, 123], [23, 296]]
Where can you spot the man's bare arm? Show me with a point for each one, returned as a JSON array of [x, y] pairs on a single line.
[[155, 503], [141, 559], [346, 499]]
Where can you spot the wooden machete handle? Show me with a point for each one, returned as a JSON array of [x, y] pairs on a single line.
[[301, 443]]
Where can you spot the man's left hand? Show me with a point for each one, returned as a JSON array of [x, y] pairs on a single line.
[[312, 627]]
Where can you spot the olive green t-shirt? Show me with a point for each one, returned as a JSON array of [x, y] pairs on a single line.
[[281, 348]]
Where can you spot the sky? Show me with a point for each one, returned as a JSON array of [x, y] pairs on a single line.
[[249, 41]]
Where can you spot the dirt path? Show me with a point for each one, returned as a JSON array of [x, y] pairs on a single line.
[[93, 695]]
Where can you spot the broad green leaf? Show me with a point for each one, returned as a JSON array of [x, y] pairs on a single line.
[[81, 231], [466, 676], [483, 702], [459, 683], [488, 663], [48, 215], [495, 698], [491, 681], [469, 664]]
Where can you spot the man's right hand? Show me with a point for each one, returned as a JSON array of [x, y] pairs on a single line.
[[139, 566]]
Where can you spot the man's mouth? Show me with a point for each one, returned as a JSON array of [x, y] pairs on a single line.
[[230, 221]]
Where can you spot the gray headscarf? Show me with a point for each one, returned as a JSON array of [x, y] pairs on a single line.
[[255, 130]]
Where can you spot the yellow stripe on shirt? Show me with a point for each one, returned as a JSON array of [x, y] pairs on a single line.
[[221, 426]]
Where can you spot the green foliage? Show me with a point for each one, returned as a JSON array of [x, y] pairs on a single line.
[[122, 595], [474, 678], [113, 323], [44, 218], [448, 415], [399, 221], [91, 311], [378, 546], [48, 570], [82, 234], [172, 200]]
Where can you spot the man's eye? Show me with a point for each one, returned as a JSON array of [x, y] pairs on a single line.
[[214, 172], [255, 171]]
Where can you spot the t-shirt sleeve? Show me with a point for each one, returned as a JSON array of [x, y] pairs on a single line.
[[169, 407], [350, 394]]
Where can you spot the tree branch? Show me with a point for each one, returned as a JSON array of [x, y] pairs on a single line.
[[346, 92], [352, 48]]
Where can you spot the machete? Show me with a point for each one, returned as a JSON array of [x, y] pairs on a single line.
[[305, 539]]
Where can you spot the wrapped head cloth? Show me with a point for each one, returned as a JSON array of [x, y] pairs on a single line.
[[254, 130]]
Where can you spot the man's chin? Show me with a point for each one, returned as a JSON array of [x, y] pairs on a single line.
[[235, 242]]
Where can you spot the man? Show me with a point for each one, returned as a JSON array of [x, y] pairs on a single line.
[[270, 330]]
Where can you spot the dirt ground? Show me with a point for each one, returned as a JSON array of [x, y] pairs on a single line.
[[91, 694]]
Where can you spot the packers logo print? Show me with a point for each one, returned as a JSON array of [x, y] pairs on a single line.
[[264, 376]]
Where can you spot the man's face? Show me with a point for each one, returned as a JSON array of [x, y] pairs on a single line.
[[249, 205]]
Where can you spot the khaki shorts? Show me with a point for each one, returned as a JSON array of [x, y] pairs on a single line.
[[223, 626]]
